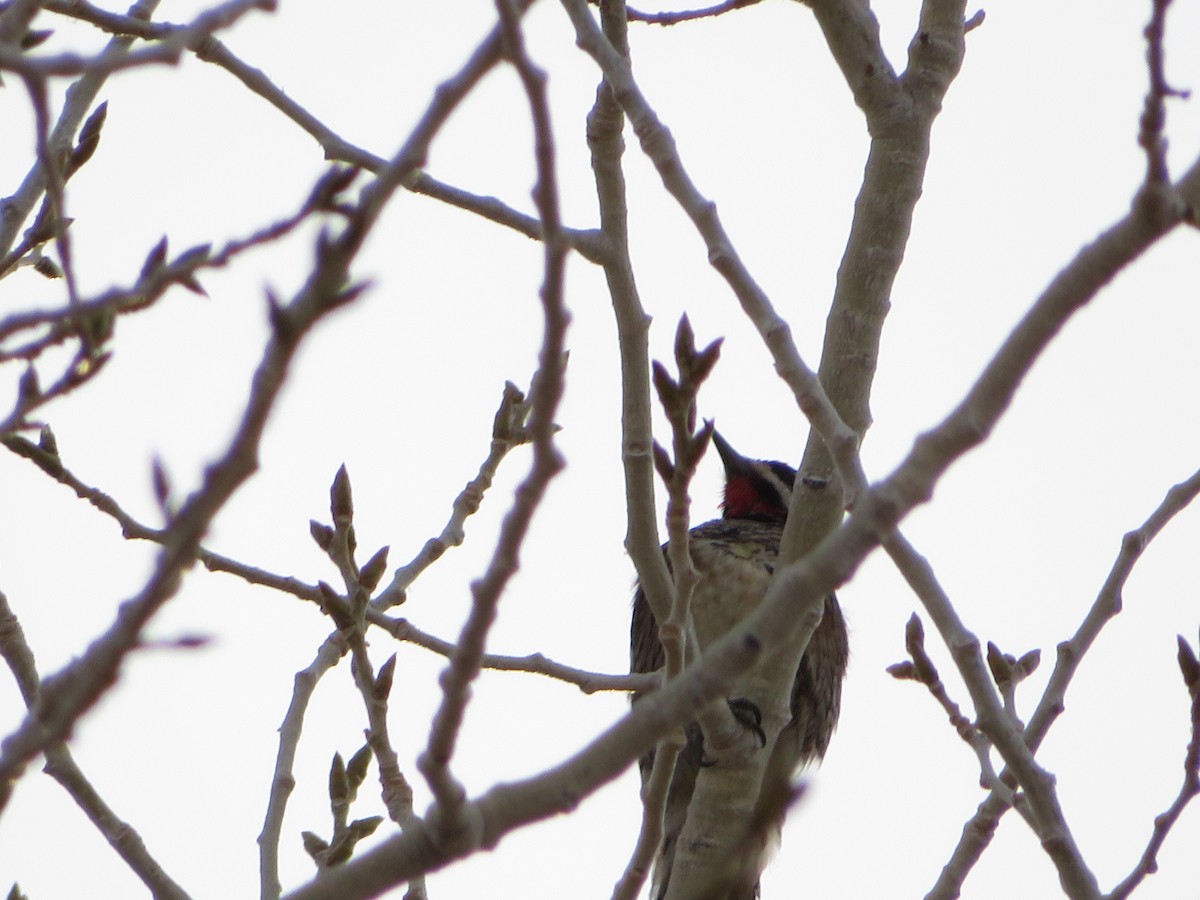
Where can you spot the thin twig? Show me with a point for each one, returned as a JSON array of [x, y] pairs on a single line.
[[605, 125], [450, 818], [170, 43], [677, 633], [61, 766], [157, 275], [1047, 818], [510, 806], [79, 99], [1154, 110], [69, 694], [587, 242], [16, 18], [401, 629], [283, 780], [922, 669], [508, 431], [977, 832], [349, 613], [659, 147], [655, 791], [211, 50], [687, 15], [1188, 791], [53, 168], [532, 663]]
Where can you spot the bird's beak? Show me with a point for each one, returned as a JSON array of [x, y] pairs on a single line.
[[735, 463]]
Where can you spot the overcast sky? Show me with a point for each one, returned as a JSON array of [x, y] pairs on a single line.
[[1034, 154]]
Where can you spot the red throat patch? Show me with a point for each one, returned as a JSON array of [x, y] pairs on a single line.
[[745, 500]]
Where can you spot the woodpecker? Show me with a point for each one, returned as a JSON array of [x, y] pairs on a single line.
[[734, 557]]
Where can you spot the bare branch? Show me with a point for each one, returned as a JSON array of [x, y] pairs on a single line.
[[979, 829], [16, 18], [79, 370], [508, 431], [80, 97], [1188, 791], [605, 124], [209, 49], [977, 18], [923, 670], [852, 32], [659, 147], [654, 801], [533, 663], [585, 241], [899, 115], [509, 806], [53, 167], [971, 422], [451, 817], [70, 693], [91, 320], [688, 15], [1154, 111], [283, 780], [400, 629], [170, 43], [799, 586], [676, 634], [349, 613], [900, 109], [61, 766]]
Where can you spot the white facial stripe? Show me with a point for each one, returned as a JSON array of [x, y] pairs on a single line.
[[768, 475]]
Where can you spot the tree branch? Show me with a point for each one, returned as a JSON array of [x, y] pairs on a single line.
[[61, 766], [79, 99], [659, 147], [979, 829], [450, 817], [283, 781], [1188, 791]]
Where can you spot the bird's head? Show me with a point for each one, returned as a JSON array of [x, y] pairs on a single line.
[[759, 489]]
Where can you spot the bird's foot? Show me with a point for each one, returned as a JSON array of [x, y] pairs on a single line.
[[749, 716]]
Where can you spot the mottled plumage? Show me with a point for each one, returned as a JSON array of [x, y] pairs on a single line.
[[734, 558]]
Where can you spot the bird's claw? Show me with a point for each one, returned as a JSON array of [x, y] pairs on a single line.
[[749, 716]]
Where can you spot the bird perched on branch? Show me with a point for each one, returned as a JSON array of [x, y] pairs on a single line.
[[734, 557]]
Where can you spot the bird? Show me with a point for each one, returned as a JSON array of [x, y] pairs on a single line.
[[734, 557]]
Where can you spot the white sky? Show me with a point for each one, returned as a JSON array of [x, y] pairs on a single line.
[[1034, 154]]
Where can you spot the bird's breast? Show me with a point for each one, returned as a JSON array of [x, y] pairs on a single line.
[[734, 571]]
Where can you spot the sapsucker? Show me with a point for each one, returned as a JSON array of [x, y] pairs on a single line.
[[734, 557]]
